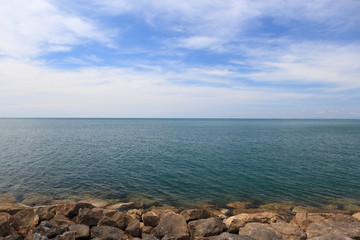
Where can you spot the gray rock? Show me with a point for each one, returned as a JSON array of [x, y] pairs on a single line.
[[133, 228], [60, 219], [81, 231], [45, 212], [174, 226], [66, 236], [331, 237], [49, 229], [206, 227], [13, 236], [152, 218], [88, 216], [349, 229], [38, 236], [289, 231], [195, 214], [230, 236], [115, 219], [24, 220], [5, 228], [107, 233], [71, 210], [260, 231]]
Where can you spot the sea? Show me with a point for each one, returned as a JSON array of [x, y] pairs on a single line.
[[182, 162]]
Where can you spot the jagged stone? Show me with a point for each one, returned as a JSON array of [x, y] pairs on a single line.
[[135, 213], [195, 214], [71, 210], [81, 231], [107, 233], [5, 228], [88, 216], [45, 212], [48, 229], [12, 208], [230, 236], [133, 228], [260, 231], [206, 227], [24, 220], [66, 236], [357, 216], [289, 231], [174, 226], [60, 219], [331, 237], [344, 228], [115, 219]]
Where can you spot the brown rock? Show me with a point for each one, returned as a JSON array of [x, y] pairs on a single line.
[[118, 205], [72, 209], [146, 230], [115, 219], [5, 228], [60, 219], [88, 216], [239, 205], [100, 203], [331, 237], [195, 214], [81, 231], [357, 216], [329, 226], [303, 209], [35, 201], [260, 231], [230, 236], [133, 228], [107, 233], [12, 208], [206, 227], [150, 238], [49, 229], [277, 207], [303, 219], [288, 231], [36, 236], [66, 236], [152, 218], [174, 226], [24, 220], [45, 212], [135, 213]]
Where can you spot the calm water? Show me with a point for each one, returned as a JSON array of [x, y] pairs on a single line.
[[182, 161]]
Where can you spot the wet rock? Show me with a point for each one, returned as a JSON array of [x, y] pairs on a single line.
[[329, 226], [152, 218], [206, 227], [99, 203], [12, 208], [260, 231], [107, 233], [49, 230], [88, 216], [289, 231], [235, 222], [216, 213], [5, 228], [174, 226], [81, 231], [71, 210], [35, 201], [277, 207], [303, 209], [303, 219], [66, 236], [352, 207], [331, 237], [24, 220], [60, 219], [133, 228], [115, 219], [356, 216], [195, 214], [239, 205], [230, 236], [135, 213], [45, 212], [117, 206]]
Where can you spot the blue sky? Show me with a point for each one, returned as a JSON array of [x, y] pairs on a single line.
[[167, 58]]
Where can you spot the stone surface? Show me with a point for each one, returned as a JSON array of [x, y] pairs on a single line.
[[173, 226], [277, 207], [66, 236], [115, 219], [24, 220], [107, 233], [49, 230], [37, 236], [343, 228], [45, 212], [150, 238], [331, 237], [71, 210], [206, 227], [135, 213], [12, 208], [88, 216], [60, 219], [96, 202], [133, 228], [230, 236], [195, 214], [304, 219], [289, 231], [152, 218], [119, 205], [81, 231], [239, 205], [5, 228], [260, 231], [356, 216]]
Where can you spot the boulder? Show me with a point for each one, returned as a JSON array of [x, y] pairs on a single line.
[[133, 228], [303, 219], [331, 237], [195, 214], [66, 236], [12, 208], [206, 227], [115, 219], [150, 238], [152, 218], [107, 233], [289, 231], [88, 216], [277, 207], [71, 210], [357, 216], [24, 220], [146, 230], [37, 236], [235, 222], [45, 212], [100, 203], [135, 213], [230, 236], [174, 226], [60, 219], [260, 231], [344, 228], [81, 231], [5, 228], [49, 230]]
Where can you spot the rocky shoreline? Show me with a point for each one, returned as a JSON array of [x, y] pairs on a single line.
[[92, 219]]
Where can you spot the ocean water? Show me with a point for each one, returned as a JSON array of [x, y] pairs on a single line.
[[182, 161]]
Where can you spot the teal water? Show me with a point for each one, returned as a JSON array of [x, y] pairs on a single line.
[[182, 161]]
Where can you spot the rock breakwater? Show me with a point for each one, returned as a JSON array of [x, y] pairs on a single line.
[[69, 220]]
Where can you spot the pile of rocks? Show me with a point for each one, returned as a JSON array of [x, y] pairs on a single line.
[[80, 221]]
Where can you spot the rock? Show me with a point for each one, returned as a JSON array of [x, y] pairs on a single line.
[[174, 226], [45, 212], [60, 219], [289, 231], [49, 230], [225, 211], [146, 230], [303, 209], [329, 226], [357, 216], [5, 228], [331, 237], [88, 216], [81, 231], [260, 231], [235, 222], [66, 236], [118, 205], [115, 219], [330, 207], [352, 207], [206, 227], [35, 201], [195, 214], [230, 236], [303, 219], [150, 238], [239, 205], [216, 213], [107, 233], [96, 202], [152, 218], [135, 213], [133, 228], [37, 236], [7, 198], [72, 209], [24, 220], [277, 207], [12, 208]]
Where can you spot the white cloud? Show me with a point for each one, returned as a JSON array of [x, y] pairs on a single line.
[[38, 27]]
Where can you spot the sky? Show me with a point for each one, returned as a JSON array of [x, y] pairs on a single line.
[[180, 58]]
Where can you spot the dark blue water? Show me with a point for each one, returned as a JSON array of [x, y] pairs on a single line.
[[182, 161]]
